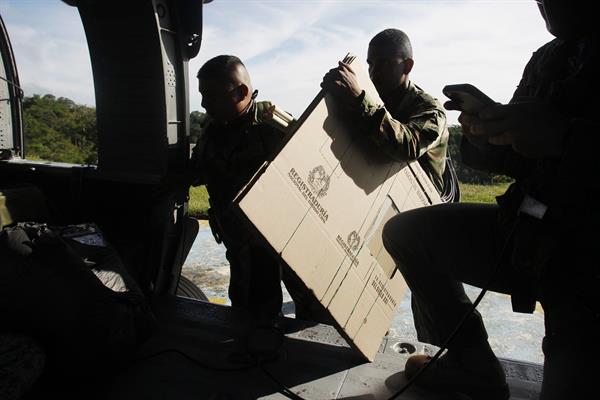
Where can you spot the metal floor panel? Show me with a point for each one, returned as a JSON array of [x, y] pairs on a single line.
[[192, 354]]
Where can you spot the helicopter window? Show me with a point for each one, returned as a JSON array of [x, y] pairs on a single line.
[[55, 75]]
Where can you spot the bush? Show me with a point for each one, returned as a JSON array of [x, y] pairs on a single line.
[[58, 129]]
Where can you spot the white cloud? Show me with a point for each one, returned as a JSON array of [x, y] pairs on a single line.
[[50, 50], [289, 45], [288, 49]]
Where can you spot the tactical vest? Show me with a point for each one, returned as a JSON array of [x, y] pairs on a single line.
[[227, 156]]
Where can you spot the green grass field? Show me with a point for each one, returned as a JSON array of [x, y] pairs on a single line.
[[198, 204], [469, 193]]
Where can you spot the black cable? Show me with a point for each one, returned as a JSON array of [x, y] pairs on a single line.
[[196, 362], [268, 358], [464, 318], [260, 359], [20, 91], [451, 190], [283, 389]]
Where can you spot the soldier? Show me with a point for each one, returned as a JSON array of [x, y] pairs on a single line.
[[410, 124], [236, 142], [534, 244]]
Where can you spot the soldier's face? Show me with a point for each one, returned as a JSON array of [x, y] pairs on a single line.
[[219, 99], [386, 68], [564, 18]]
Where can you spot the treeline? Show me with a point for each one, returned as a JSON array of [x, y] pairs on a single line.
[[464, 173], [58, 129]]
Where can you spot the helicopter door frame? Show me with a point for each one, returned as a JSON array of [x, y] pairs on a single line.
[[11, 97]]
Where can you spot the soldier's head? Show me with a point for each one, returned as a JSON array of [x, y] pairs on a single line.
[[225, 86], [568, 19], [390, 60]]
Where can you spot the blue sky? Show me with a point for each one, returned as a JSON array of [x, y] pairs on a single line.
[[289, 45]]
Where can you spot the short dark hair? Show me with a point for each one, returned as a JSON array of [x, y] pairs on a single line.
[[394, 37], [219, 67]]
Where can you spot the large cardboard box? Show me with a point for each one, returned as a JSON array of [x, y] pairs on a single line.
[[322, 203]]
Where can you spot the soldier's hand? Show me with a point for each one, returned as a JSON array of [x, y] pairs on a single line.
[[467, 121], [342, 82], [349, 79], [533, 128]]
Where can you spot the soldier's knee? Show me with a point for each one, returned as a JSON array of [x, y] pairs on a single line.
[[396, 233]]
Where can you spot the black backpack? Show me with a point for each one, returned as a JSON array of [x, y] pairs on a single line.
[[67, 288]]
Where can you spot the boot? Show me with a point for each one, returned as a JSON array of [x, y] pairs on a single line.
[[474, 372]]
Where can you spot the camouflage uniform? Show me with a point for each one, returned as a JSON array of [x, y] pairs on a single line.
[[550, 260], [225, 159], [409, 127], [559, 72]]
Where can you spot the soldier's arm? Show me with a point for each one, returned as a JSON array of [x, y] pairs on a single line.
[[268, 113], [402, 141], [195, 170], [278, 124], [502, 159], [495, 159]]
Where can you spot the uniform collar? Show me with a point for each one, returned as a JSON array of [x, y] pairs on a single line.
[[246, 119], [399, 97]]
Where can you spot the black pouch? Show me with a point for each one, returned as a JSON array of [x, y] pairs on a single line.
[[534, 246]]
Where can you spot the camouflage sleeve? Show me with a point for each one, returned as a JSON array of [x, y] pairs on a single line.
[[494, 159], [268, 113], [277, 125], [402, 141]]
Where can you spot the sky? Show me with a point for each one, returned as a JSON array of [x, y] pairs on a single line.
[[288, 45]]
